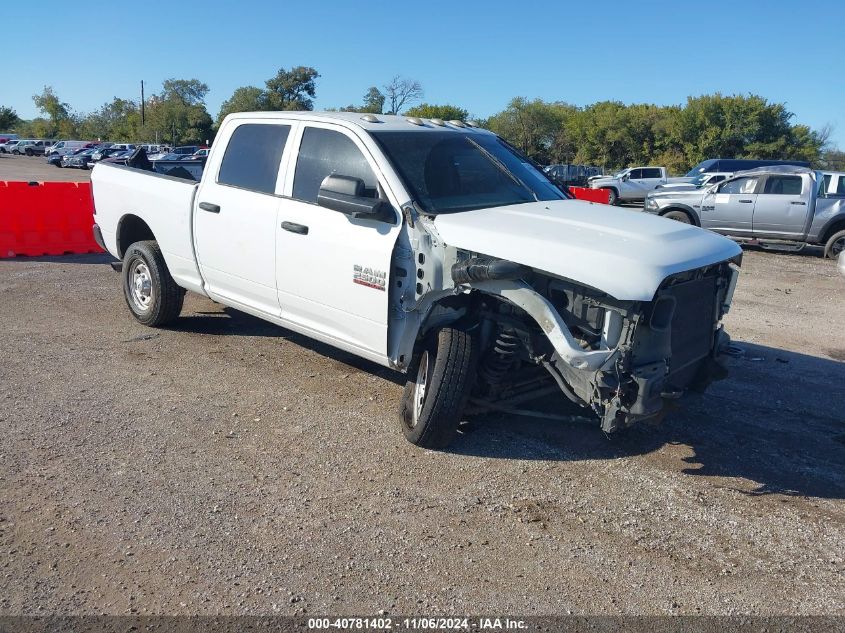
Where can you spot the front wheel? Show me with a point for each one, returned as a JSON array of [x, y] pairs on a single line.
[[678, 216], [612, 196], [835, 245], [150, 291], [439, 381]]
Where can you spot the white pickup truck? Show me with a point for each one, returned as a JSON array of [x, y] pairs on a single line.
[[633, 184], [433, 248]]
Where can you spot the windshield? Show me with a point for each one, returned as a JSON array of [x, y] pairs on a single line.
[[700, 168], [450, 171]]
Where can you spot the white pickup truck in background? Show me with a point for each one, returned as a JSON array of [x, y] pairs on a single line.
[[632, 184], [433, 248]]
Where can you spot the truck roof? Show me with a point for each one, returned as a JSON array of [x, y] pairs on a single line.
[[776, 169], [369, 122]]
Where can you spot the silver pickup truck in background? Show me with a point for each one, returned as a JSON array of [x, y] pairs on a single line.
[[778, 207]]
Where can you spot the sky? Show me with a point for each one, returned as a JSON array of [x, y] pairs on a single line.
[[477, 55]]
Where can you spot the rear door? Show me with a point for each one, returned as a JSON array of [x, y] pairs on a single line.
[[651, 177], [781, 208], [334, 271], [235, 220], [730, 207]]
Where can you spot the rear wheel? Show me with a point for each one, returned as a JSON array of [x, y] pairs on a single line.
[[151, 294], [835, 245], [678, 216], [28, 151], [438, 384]]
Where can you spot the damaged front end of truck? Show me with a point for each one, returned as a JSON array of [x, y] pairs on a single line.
[[621, 359]]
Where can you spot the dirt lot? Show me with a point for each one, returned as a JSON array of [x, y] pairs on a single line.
[[227, 466], [29, 168]]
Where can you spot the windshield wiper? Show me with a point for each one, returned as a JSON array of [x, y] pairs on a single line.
[[503, 168]]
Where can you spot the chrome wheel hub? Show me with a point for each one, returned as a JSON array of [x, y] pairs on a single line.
[[420, 387], [141, 285]]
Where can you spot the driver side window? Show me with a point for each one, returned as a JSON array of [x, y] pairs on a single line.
[[635, 174], [740, 185], [324, 153]]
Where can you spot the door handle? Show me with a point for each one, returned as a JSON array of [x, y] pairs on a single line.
[[746, 201], [293, 227], [210, 207], [798, 202]]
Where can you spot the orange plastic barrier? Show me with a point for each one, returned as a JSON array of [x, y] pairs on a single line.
[[49, 218], [591, 195]]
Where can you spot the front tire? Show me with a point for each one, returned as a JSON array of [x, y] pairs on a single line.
[[439, 381], [678, 216], [153, 297], [835, 245], [612, 197]]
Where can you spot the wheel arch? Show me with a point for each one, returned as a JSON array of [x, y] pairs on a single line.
[[685, 209], [131, 229], [833, 226]]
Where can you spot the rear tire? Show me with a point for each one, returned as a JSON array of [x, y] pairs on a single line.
[[153, 297], [835, 245], [678, 216], [439, 381]]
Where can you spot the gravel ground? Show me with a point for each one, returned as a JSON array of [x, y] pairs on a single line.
[[227, 466], [35, 168]]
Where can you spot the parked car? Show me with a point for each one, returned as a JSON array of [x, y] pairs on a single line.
[[702, 180], [733, 165], [8, 146], [81, 158], [778, 207], [119, 158], [65, 147], [38, 148], [568, 175], [7, 136], [105, 152], [630, 185], [20, 148], [55, 159], [441, 253]]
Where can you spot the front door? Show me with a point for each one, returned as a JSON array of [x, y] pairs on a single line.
[[235, 216], [730, 207], [333, 271], [781, 209]]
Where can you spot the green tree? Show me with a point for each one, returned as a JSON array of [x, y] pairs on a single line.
[[292, 89], [244, 99], [189, 91], [431, 111], [530, 126], [373, 101], [8, 118]]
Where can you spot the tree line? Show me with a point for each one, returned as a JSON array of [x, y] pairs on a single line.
[[607, 134]]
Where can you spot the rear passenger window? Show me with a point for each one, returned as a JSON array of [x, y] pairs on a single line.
[[652, 173], [252, 157], [326, 152], [840, 186], [783, 185]]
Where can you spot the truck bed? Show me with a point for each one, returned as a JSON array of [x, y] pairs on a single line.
[[164, 203]]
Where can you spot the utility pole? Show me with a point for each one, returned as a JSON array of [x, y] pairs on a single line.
[[142, 103]]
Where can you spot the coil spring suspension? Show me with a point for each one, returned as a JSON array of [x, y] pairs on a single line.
[[500, 358]]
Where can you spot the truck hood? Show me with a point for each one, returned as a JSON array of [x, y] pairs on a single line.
[[625, 253], [603, 180]]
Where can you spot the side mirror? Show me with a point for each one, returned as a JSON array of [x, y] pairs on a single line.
[[345, 194], [626, 177]]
